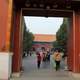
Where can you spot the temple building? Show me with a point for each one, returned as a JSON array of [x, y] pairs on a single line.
[[43, 41]]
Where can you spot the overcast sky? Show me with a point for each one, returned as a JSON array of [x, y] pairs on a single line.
[[43, 25]]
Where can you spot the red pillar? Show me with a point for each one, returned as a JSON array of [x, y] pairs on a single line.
[[16, 65], [70, 45], [76, 42]]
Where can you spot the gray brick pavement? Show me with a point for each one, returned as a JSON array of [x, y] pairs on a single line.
[[44, 73]]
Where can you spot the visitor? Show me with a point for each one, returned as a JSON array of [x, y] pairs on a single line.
[[57, 58], [38, 60]]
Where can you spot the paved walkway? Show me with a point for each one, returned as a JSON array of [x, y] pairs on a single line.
[[46, 72]]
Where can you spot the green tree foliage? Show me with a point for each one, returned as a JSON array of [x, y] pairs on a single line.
[[27, 39], [55, 44], [61, 36]]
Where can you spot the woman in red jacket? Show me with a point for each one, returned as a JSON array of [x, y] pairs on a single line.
[[38, 60]]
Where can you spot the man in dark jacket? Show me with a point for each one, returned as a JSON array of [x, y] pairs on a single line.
[[38, 60]]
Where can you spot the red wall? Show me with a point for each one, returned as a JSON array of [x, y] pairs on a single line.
[[3, 22], [46, 45]]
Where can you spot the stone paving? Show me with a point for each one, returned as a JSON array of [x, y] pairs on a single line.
[[46, 72]]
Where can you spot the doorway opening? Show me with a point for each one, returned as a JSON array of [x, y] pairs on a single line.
[[43, 41]]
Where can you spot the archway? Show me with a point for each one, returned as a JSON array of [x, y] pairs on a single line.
[[11, 31]]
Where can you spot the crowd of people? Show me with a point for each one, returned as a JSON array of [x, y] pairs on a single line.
[[44, 56]]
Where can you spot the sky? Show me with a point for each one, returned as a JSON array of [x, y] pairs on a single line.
[[43, 25]]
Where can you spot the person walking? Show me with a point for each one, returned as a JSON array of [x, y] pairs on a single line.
[[57, 58], [38, 60]]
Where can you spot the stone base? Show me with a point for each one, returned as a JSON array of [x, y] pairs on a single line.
[[66, 68], [5, 65], [76, 75], [16, 74]]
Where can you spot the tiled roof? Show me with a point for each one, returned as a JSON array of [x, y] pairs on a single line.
[[44, 38]]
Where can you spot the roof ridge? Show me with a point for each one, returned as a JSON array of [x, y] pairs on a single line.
[[44, 34]]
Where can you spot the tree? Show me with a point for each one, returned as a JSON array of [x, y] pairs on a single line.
[[61, 35], [55, 44], [27, 39]]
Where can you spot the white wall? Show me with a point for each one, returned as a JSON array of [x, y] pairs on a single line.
[[5, 65]]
